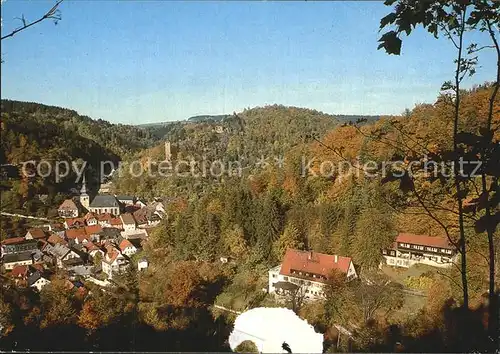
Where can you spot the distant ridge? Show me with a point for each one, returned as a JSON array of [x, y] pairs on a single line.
[[342, 118], [207, 118]]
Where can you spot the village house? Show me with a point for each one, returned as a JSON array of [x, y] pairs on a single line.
[[147, 217], [128, 222], [104, 220], [36, 234], [37, 281], [309, 270], [127, 248], [18, 245], [102, 204], [141, 234], [92, 249], [409, 249], [113, 262], [20, 273], [140, 204], [94, 232], [54, 238], [125, 199], [109, 233], [91, 219], [14, 259], [142, 264], [60, 253], [116, 223], [77, 236], [74, 223], [54, 227], [68, 209]]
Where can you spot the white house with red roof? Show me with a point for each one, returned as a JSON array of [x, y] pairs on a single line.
[[113, 262], [410, 249], [68, 209], [127, 248], [308, 269]]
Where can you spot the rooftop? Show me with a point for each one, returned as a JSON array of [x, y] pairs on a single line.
[[37, 233], [13, 240], [68, 204], [104, 201], [125, 197], [75, 222], [313, 263], [128, 219], [424, 240], [17, 257]]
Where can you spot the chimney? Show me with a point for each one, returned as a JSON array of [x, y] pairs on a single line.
[[336, 259], [310, 255]]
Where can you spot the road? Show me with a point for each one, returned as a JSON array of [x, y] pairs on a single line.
[[226, 309], [25, 216]]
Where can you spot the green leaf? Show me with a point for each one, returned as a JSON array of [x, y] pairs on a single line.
[[390, 42], [388, 19]]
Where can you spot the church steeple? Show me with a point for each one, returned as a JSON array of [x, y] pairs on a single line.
[[84, 197], [83, 190]]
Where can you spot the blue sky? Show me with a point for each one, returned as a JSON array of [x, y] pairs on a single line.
[[149, 61]]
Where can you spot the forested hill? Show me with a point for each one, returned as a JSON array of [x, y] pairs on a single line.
[[269, 129], [36, 132], [267, 132], [205, 118], [74, 129]]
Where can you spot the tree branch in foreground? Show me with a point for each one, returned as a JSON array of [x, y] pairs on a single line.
[[52, 13]]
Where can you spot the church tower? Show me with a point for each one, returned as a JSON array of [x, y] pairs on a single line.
[[168, 151], [84, 197]]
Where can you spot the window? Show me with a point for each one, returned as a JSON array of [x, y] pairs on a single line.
[[274, 275], [285, 278]]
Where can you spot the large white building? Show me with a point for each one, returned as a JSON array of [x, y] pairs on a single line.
[[309, 270], [409, 249]]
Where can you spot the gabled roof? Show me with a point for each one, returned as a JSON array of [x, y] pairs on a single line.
[[110, 232], [104, 201], [116, 222], [127, 219], [75, 221], [57, 227], [90, 215], [16, 257], [13, 240], [68, 204], [19, 271], [90, 246], [37, 233], [124, 244], [136, 242], [79, 234], [111, 255], [313, 263], [33, 278], [104, 217], [58, 250], [93, 229], [423, 240], [54, 238]]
